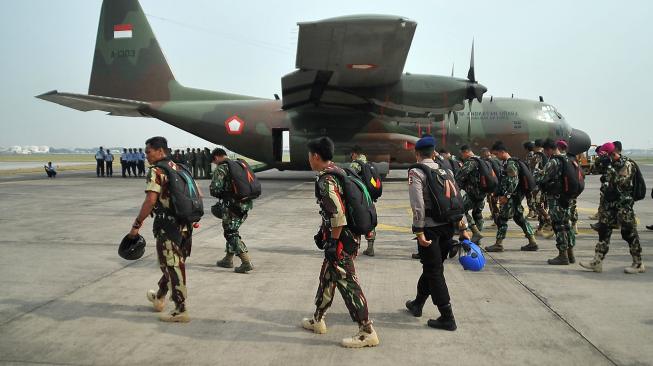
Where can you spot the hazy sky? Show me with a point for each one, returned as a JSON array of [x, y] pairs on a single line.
[[591, 59]]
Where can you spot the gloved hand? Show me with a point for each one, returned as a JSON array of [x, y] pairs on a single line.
[[331, 249], [319, 239]]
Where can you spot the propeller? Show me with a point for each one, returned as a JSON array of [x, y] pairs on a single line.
[[474, 91], [455, 115]]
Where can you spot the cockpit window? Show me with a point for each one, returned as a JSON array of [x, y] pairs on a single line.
[[548, 114]]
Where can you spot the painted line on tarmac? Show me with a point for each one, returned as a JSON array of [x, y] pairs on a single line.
[[557, 314]]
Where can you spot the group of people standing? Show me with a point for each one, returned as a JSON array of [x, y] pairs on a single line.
[[198, 160]]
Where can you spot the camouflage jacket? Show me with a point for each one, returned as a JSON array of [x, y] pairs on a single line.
[[329, 194], [548, 178], [530, 160], [537, 163], [221, 186], [468, 178], [509, 180], [357, 167], [619, 181]]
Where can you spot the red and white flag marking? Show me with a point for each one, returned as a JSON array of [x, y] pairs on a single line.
[[234, 125], [122, 31]]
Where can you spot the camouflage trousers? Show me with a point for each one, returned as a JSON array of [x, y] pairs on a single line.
[[493, 203], [341, 274], [560, 211], [573, 212], [476, 206], [541, 209], [371, 236], [231, 222], [172, 259], [512, 209], [530, 201], [611, 215]]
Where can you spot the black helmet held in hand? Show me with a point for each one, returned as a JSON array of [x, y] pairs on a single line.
[[132, 248]]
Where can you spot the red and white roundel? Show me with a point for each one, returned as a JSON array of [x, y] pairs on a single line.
[[234, 125]]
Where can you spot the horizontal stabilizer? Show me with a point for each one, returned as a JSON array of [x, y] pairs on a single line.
[[85, 103]]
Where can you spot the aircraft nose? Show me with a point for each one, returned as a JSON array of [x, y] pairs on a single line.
[[579, 142]]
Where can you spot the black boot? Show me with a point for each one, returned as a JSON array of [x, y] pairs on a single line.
[[414, 308], [446, 320]]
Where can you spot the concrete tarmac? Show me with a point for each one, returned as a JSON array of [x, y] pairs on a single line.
[[68, 299]]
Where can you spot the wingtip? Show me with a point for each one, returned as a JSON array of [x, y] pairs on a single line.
[[51, 92]]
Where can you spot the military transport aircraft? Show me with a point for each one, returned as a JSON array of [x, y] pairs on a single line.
[[348, 84]]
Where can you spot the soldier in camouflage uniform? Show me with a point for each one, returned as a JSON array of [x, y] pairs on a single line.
[[207, 161], [468, 178], [539, 160], [340, 248], [233, 214], [617, 207], [510, 198], [491, 197], [358, 155], [530, 158], [550, 182], [172, 240]]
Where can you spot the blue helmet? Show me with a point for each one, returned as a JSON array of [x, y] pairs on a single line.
[[472, 258]]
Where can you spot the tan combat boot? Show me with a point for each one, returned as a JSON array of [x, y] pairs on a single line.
[[531, 246], [596, 264], [635, 268], [476, 235], [370, 249], [176, 316], [497, 247], [318, 327], [246, 265], [366, 337], [227, 261], [570, 255], [158, 304]]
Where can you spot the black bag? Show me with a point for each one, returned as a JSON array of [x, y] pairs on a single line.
[[526, 181], [372, 179], [187, 205], [243, 180], [444, 163], [489, 182], [572, 179], [359, 207], [445, 194], [639, 185]]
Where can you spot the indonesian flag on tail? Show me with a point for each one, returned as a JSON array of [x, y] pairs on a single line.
[[122, 31]]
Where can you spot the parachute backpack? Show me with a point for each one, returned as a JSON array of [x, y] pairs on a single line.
[[639, 185], [471, 256], [526, 181], [573, 179], [244, 182], [488, 180], [372, 179], [187, 205], [444, 192], [359, 206]]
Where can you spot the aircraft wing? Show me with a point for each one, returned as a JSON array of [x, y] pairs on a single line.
[[345, 53], [85, 103]]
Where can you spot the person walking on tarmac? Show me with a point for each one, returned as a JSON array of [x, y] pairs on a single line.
[[233, 213], [550, 182], [617, 208], [509, 198], [433, 240], [108, 161], [358, 158], [468, 178], [140, 162], [99, 159], [340, 247], [172, 240]]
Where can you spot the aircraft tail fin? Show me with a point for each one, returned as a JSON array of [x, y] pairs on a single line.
[[128, 62]]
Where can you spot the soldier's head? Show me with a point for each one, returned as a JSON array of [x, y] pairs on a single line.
[[100, 147], [562, 146], [466, 152], [537, 145], [156, 149], [445, 153], [188, 149], [108, 151], [617, 146], [425, 148], [124, 150], [485, 153], [356, 152], [320, 153], [218, 155], [608, 149], [499, 149], [549, 147], [140, 150], [130, 150], [49, 163], [529, 145]]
